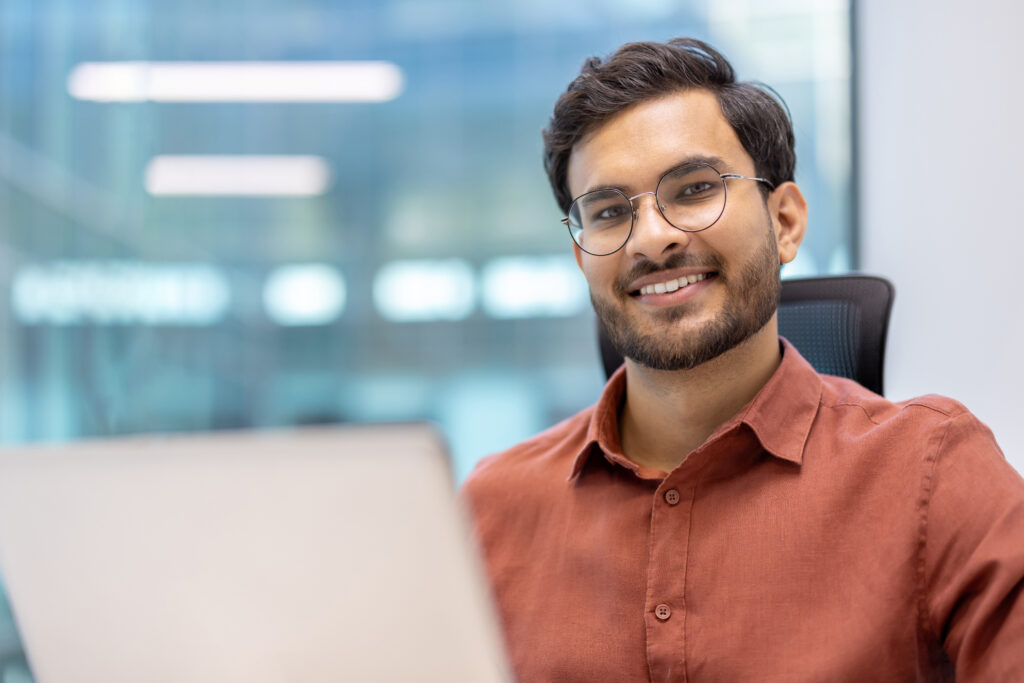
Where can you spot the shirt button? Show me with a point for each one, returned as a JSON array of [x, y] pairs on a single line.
[[671, 496], [663, 612]]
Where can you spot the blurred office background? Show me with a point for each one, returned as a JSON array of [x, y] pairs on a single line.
[[186, 245], [375, 240], [379, 242]]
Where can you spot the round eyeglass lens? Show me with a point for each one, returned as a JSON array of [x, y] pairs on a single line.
[[600, 221], [691, 197]]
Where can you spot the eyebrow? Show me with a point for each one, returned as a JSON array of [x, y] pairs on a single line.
[[716, 162]]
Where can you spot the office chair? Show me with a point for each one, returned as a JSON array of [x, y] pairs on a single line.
[[838, 323]]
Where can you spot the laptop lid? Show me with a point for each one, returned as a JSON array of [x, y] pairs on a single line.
[[326, 554]]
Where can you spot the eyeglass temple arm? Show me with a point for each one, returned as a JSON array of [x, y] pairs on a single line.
[[743, 177]]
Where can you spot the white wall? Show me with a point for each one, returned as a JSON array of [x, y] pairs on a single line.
[[941, 114]]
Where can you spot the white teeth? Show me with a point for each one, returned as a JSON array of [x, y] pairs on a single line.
[[673, 285]]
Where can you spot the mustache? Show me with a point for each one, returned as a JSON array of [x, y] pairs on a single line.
[[680, 260]]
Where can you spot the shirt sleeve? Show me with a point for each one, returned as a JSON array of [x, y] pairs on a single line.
[[972, 559]]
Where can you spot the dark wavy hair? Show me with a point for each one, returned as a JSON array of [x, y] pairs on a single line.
[[638, 72]]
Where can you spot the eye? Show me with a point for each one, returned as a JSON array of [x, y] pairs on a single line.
[[611, 212], [689, 185], [694, 189]]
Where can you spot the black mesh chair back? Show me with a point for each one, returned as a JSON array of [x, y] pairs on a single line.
[[839, 324]]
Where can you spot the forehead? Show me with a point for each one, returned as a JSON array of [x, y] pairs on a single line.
[[636, 146]]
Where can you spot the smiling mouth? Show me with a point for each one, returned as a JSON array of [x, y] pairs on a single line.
[[671, 285]]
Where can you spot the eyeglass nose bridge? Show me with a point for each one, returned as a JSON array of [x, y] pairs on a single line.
[[657, 205], [637, 196]]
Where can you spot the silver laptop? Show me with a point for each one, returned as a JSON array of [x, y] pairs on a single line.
[[328, 554]]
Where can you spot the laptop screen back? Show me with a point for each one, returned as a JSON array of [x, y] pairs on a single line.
[[332, 554]]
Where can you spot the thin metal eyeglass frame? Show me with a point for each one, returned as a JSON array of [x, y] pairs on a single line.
[[632, 224]]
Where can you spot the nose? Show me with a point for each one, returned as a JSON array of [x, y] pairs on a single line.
[[653, 237]]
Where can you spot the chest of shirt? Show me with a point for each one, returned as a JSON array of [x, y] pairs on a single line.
[[746, 577]]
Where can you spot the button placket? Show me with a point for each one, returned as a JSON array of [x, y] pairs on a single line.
[[666, 607]]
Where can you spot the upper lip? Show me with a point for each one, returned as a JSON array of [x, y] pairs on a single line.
[[664, 276]]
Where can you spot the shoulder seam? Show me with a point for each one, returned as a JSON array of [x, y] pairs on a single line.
[[847, 404], [911, 404], [946, 413]]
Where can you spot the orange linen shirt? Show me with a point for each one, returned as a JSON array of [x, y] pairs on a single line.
[[822, 534]]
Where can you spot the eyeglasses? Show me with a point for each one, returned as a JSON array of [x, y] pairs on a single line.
[[690, 197]]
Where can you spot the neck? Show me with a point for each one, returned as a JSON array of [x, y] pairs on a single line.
[[668, 414]]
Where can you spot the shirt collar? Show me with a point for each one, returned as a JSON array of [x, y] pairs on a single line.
[[780, 415]]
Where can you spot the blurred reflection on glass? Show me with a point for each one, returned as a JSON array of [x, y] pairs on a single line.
[[191, 239]]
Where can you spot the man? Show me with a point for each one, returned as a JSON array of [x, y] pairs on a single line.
[[725, 513]]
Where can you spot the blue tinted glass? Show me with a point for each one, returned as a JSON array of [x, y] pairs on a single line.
[[308, 255]]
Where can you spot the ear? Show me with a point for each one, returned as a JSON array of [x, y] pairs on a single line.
[[788, 210], [578, 253]]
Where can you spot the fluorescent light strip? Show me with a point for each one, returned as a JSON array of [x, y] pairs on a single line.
[[304, 294], [120, 292], [237, 176], [533, 286], [236, 81], [424, 290]]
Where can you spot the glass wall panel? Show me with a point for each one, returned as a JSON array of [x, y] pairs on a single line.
[[190, 243]]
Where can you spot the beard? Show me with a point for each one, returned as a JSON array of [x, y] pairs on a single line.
[[752, 297]]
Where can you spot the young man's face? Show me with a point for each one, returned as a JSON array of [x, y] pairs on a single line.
[[737, 258]]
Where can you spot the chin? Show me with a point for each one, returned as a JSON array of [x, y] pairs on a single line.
[[680, 342]]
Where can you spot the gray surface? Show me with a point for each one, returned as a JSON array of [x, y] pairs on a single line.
[[322, 555]]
